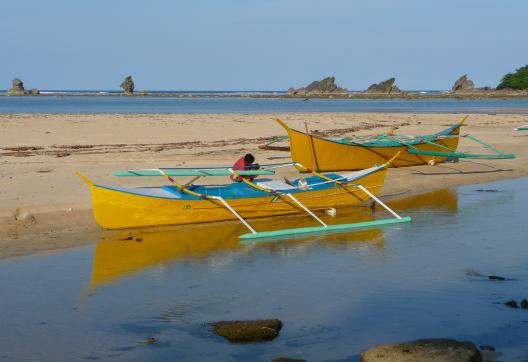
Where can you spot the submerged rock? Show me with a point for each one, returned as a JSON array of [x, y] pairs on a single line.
[[17, 88], [128, 85], [151, 341], [524, 304], [496, 277], [387, 86], [248, 331], [322, 87], [431, 350], [463, 84], [512, 304]]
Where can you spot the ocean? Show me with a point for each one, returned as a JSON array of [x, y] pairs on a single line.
[[233, 102]]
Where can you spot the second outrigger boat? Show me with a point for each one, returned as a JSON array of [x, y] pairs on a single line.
[[355, 153], [120, 207]]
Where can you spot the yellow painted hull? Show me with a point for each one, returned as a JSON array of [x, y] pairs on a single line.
[[323, 155], [115, 209]]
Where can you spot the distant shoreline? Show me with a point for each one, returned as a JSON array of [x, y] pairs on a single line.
[[488, 94]]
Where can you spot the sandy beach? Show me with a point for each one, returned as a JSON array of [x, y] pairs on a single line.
[[40, 153]]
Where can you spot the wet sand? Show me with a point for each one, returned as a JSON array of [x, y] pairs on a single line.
[[40, 153]]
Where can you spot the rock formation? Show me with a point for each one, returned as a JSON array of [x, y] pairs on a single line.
[[433, 350], [323, 87], [17, 89], [388, 86], [248, 331], [128, 85], [463, 84]]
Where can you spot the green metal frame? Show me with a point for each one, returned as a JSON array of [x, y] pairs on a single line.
[[453, 153], [462, 155], [268, 235], [196, 172]]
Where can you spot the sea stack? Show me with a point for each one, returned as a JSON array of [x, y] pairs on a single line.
[[319, 88], [17, 88], [128, 86], [386, 87], [463, 84]]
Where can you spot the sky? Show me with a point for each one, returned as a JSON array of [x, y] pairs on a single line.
[[259, 44]]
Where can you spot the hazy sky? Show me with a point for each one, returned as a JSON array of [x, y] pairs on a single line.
[[259, 44]]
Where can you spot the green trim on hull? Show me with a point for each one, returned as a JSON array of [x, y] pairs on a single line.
[[462, 155], [250, 238]]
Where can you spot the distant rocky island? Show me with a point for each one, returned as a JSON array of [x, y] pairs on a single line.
[[512, 85], [17, 89], [319, 88]]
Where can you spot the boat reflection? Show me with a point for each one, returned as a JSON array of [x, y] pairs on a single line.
[[443, 199], [125, 253]]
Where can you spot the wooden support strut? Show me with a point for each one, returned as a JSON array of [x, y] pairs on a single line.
[[183, 188], [275, 192], [363, 188]]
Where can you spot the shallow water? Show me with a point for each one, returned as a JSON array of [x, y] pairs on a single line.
[[117, 104], [337, 294]]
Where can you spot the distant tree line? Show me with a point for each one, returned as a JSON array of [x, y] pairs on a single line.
[[515, 80]]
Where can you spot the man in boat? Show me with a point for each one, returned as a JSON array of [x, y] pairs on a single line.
[[244, 163]]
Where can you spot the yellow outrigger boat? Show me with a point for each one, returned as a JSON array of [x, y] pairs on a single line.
[[177, 204], [356, 153]]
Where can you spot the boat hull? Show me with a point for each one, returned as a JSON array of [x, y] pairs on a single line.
[[324, 155], [118, 209]]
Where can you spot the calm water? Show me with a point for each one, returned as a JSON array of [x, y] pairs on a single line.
[[116, 104], [337, 295]]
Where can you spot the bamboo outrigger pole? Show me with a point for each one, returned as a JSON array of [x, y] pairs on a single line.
[[184, 188], [363, 188], [274, 192], [247, 238]]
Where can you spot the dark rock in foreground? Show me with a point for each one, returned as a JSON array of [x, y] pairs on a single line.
[[387, 87], [463, 84], [248, 331], [431, 350], [128, 85], [323, 87]]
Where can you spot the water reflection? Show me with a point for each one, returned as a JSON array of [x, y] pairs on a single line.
[[443, 199], [128, 252]]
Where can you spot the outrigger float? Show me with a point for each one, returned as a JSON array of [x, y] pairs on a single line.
[[355, 153], [176, 204]]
